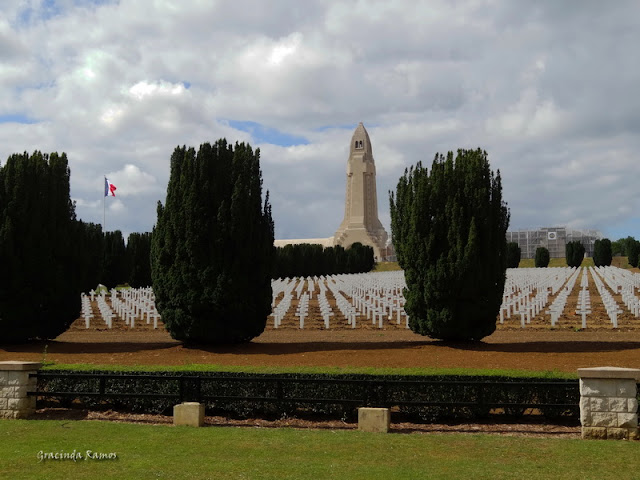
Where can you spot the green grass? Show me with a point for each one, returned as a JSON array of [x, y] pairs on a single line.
[[554, 262], [162, 451], [314, 370], [386, 267]]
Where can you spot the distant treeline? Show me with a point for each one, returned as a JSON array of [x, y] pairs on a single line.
[[314, 260], [111, 262]]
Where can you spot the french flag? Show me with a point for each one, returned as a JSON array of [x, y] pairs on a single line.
[[109, 188]]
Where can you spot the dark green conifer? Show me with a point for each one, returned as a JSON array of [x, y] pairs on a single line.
[[449, 226], [602, 255], [513, 255], [139, 259], [212, 247], [542, 257], [574, 253], [39, 291]]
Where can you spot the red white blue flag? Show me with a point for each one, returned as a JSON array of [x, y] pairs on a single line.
[[109, 188]]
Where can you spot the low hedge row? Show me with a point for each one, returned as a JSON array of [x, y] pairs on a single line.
[[335, 396]]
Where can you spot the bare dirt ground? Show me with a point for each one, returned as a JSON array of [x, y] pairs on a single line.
[[528, 349], [536, 347]]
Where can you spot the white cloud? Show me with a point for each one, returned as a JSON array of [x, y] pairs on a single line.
[[548, 89]]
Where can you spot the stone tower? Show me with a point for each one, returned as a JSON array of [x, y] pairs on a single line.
[[361, 223]]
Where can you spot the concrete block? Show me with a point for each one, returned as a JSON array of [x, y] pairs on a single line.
[[16, 392], [604, 419], [18, 365], [4, 378], [17, 378], [585, 417], [609, 372], [19, 403], [3, 403], [617, 434], [628, 420], [189, 413], [598, 387], [599, 404], [617, 404], [375, 420], [632, 405], [626, 388], [585, 404], [594, 433]]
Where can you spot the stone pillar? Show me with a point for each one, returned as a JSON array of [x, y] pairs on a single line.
[[608, 402], [375, 420], [189, 413], [14, 385]]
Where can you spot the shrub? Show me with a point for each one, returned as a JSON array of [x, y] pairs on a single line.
[[449, 230], [513, 255], [542, 257], [602, 255], [212, 247], [574, 253], [39, 256]]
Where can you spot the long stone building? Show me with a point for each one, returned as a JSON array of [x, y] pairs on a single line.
[[553, 239], [361, 222]]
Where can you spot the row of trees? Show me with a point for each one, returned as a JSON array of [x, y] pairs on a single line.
[[627, 247], [128, 263], [309, 260], [212, 256], [44, 268]]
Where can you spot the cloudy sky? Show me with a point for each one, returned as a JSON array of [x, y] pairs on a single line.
[[550, 89]]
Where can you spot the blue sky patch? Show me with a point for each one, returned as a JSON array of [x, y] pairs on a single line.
[[263, 134], [16, 118]]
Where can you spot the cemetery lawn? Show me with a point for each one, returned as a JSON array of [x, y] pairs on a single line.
[[161, 451]]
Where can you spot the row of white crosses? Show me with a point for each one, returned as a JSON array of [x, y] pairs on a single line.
[[135, 303], [132, 304], [377, 296], [87, 310], [583, 306], [610, 304], [105, 310], [625, 283], [520, 284], [303, 308]]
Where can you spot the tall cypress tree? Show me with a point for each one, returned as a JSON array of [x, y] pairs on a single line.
[[542, 257], [513, 255], [602, 255], [449, 230], [633, 253], [39, 291], [212, 247], [574, 253]]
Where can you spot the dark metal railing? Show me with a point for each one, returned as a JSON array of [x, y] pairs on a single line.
[[377, 391]]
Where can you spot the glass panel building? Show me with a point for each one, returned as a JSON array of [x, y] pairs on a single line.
[[554, 239]]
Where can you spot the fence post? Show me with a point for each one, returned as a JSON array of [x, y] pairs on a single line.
[[15, 384], [608, 402]]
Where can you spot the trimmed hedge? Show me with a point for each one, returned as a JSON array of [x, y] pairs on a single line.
[[336, 396]]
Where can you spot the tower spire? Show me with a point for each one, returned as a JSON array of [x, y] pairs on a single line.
[[361, 223]]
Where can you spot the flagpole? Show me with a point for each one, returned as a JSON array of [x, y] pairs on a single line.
[[104, 196]]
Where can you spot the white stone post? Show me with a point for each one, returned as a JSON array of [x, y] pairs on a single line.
[[608, 402], [14, 385]]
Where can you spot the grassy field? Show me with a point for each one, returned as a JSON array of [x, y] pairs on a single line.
[[161, 451], [429, 371], [524, 263]]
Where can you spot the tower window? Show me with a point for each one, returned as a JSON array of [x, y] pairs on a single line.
[[359, 144]]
